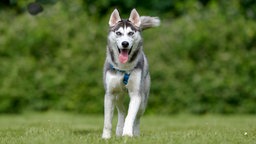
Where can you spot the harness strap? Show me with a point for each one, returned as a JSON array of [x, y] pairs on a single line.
[[126, 78], [126, 75]]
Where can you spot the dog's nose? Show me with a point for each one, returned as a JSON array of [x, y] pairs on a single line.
[[125, 44]]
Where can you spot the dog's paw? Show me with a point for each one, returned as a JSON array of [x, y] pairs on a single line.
[[127, 134], [106, 135], [128, 130]]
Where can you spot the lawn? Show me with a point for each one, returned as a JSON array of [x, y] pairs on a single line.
[[66, 128]]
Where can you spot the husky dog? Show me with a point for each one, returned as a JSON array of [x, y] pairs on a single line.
[[126, 70]]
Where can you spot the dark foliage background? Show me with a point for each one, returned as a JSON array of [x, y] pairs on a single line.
[[202, 58]]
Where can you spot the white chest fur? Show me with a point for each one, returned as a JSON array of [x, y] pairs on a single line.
[[114, 82]]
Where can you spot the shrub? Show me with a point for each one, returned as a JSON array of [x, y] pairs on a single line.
[[201, 62]]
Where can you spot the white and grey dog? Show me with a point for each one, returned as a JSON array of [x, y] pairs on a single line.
[[126, 70]]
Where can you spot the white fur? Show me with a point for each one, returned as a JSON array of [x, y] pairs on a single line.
[[139, 82], [117, 40], [113, 84], [125, 37], [128, 126]]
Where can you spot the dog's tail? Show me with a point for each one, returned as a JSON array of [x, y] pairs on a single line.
[[148, 22]]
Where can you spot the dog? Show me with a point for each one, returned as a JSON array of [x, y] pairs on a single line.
[[126, 70]]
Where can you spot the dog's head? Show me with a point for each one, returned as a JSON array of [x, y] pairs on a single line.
[[124, 35]]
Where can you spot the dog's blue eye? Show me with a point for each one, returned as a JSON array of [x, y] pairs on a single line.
[[130, 33], [118, 33]]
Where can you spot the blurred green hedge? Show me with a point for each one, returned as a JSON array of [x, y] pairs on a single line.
[[200, 62], [205, 63]]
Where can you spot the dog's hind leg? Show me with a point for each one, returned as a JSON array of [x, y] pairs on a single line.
[[136, 127]]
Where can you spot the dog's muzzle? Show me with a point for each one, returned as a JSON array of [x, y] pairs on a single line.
[[125, 49]]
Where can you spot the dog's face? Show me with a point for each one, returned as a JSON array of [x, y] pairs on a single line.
[[124, 35]]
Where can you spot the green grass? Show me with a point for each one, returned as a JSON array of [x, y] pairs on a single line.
[[64, 128]]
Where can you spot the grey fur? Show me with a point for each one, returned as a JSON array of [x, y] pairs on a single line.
[[148, 22], [137, 66]]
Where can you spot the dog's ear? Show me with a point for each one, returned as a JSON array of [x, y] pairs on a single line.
[[135, 18], [114, 18]]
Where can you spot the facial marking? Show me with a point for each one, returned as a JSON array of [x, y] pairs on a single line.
[[126, 38], [124, 34]]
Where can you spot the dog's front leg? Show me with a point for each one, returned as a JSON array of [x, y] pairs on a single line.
[[108, 115], [135, 101], [121, 116]]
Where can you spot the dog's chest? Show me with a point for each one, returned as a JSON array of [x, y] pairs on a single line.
[[114, 82]]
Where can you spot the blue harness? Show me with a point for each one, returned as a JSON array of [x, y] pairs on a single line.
[[126, 75]]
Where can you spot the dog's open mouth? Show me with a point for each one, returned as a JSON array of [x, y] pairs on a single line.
[[124, 55]]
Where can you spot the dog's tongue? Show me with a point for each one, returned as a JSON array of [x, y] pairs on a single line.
[[123, 56]]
